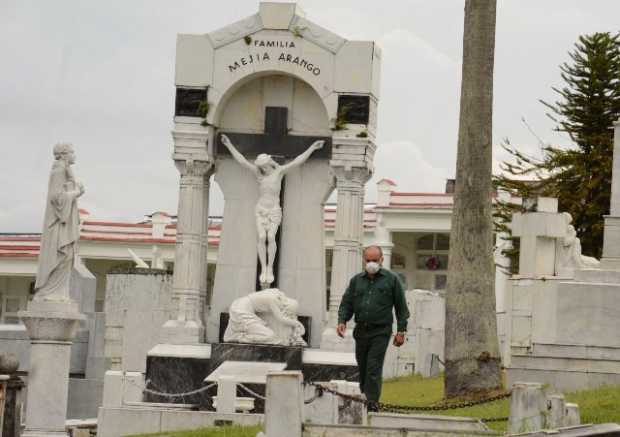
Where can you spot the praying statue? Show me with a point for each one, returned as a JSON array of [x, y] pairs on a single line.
[[268, 211], [265, 317], [61, 230], [569, 256]]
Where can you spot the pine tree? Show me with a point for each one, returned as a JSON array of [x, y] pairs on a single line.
[[579, 176]]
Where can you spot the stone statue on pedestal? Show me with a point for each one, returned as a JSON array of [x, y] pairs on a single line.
[[60, 228], [265, 317], [268, 211], [569, 255]]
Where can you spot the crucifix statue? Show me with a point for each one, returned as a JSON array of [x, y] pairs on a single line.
[[268, 211]]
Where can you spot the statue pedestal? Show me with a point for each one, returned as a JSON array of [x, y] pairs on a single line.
[[51, 326], [179, 368]]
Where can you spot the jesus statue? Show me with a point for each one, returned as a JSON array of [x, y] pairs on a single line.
[[268, 211]]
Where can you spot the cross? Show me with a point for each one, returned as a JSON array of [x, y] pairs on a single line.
[[276, 142], [538, 232]]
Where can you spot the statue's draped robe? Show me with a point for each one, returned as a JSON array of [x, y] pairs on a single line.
[[60, 235]]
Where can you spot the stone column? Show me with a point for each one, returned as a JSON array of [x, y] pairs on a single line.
[[51, 327], [528, 408], [190, 267], [284, 406], [611, 239], [352, 166]]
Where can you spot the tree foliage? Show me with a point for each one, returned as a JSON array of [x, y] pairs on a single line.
[[579, 176]]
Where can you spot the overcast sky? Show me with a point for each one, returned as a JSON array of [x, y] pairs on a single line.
[[100, 74]]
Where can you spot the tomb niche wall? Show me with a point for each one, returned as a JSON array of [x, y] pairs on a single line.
[[301, 251]]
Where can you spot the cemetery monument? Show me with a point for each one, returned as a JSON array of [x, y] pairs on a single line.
[[296, 105]]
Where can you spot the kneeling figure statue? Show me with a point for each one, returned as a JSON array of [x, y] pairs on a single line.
[[266, 317]]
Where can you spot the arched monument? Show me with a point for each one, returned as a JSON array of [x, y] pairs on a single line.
[[274, 83]]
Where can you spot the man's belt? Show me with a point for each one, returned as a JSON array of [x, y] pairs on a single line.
[[368, 325]]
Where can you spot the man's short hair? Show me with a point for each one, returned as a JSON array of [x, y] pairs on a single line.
[[62, 148], [374, 247]]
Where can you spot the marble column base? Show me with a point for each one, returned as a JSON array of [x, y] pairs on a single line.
[[182, 332], [331, 341], [51, 326]]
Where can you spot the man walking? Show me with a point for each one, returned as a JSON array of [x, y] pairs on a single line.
[[371, 296]]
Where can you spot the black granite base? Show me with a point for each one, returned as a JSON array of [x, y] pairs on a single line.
[[329, 372], [178, 375], [181, 374]]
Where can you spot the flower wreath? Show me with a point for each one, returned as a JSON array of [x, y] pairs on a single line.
[[432, 263]]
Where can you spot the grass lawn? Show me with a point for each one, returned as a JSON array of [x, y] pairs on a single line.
[[599, 405]]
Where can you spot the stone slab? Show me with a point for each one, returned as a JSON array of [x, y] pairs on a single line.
[[425, 421], [319, 356], [322, 365], [277, 15], [311, 430], [253, 372], [85, 397], [561, 380], [603, 429], [117, 422], [196, 351]]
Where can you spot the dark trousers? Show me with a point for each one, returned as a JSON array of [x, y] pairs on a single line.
[[371, 342]]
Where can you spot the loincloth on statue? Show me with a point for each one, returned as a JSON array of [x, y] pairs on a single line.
[[268, 218]]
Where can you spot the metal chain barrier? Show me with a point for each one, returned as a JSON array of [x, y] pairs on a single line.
[[318, 392], [494, 419], [173, 395], [400, 408], [251, 392]]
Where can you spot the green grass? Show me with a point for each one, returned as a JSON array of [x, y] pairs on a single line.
[[599, 405], [223, 431]]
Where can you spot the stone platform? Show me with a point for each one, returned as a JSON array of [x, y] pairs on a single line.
[[182, 368]]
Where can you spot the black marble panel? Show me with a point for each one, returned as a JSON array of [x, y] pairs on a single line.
[[178, 375], [305, 320], [329, 372], [188, 101], [354, 109], [281, 147], [276, 120]]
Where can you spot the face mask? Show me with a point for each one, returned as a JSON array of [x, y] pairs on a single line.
[[372, 267]]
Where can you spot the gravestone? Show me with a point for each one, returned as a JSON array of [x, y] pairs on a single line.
[[562, 325]]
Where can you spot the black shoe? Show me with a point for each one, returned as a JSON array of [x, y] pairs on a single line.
[[373, 407]]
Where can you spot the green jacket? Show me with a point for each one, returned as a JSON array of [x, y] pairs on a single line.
[[372, 300]]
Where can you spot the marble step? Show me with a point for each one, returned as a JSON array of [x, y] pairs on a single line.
[[598, 276]]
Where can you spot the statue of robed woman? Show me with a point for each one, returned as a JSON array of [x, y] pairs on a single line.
[[60, 228]]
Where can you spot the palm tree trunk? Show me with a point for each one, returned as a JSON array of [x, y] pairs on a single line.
[[472, 351]]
